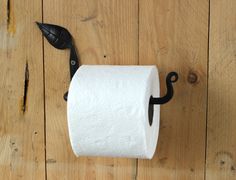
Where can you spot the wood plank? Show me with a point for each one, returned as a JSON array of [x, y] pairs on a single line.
[[174, 36], [221, 144], [105, 32], [22, 154]]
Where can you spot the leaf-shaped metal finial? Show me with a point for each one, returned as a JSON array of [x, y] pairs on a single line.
[[60, 38], [57, 36]]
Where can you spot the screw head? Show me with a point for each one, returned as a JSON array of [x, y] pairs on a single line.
[[72, 62]]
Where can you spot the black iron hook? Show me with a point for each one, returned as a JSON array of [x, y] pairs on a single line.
[[60, 38], [172, 77]]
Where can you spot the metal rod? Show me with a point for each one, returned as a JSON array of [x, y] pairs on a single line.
[[172, 77]]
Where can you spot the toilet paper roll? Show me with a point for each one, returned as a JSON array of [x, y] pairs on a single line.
[[108, 111]]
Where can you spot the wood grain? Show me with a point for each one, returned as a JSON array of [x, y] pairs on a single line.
[[221, 144], [174, 36], [21, 85], [171, 34], [105, 32]]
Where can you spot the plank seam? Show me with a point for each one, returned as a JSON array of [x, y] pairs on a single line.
[[136, 171], [44, 101], [208, 59]]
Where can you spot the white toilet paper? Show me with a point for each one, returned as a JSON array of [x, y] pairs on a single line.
[[107, 111]]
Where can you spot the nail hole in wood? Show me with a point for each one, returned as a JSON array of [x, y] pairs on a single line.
[[222, 162]]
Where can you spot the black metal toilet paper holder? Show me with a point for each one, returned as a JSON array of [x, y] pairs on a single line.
[[60, 38]]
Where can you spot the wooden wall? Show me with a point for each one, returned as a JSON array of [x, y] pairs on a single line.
[[196, 38]]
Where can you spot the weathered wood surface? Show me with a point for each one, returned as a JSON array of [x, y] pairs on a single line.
[[194, 38], [221, 143], [22, 153], [105, 32], [174, 36]]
